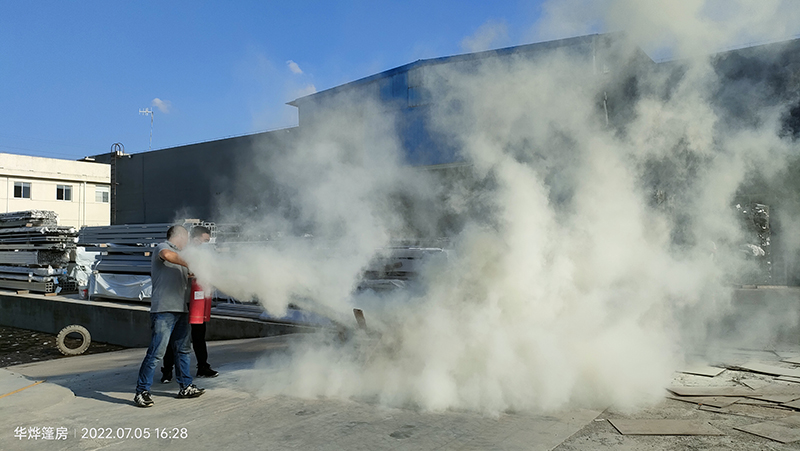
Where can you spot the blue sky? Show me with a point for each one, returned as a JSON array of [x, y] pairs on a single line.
[[73, 75]]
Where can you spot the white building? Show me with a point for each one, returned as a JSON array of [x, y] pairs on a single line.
[[79, 191]]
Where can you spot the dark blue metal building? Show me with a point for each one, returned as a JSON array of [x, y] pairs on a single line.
[[409, 92]]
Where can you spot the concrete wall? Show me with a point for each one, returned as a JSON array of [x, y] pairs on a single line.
[[123, 325], [762, 318], [44, 175]]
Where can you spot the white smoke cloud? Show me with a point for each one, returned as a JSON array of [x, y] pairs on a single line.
[[333, 173], [165, 106], [489, 35], [696, 27], [571, 281], [294, 67], [673, 29]]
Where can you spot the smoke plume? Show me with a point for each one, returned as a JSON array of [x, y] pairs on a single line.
[[593, 238]]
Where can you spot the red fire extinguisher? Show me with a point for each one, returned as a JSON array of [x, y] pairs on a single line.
[[199, 304]]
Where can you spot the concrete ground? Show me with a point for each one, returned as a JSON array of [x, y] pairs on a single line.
[[84, 396]]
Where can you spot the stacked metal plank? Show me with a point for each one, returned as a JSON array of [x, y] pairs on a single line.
[[397, 266], [125, 256], [125, 249], [294, 314], [29, 218], [238, 233], [34, 250]]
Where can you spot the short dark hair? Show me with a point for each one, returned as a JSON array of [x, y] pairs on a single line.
[[172, 231], [199, 231]]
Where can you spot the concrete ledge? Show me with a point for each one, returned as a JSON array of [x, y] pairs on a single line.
[[764, 316], [118, 323]]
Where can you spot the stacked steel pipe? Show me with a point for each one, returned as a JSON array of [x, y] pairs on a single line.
[[34, 250]]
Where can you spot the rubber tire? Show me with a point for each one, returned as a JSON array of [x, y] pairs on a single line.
[[84, 333]]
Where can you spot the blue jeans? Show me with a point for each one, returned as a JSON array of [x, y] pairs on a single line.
[[168, 329]]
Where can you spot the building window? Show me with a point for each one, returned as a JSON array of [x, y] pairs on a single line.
[[22, 190], [63, 192], [101, 194]]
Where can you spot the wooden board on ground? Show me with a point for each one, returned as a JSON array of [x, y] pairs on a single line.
[[755, 402], [788, 379], [793, 404], [702, 370], [714, 391], [779, 398], [793, 360], [713, 401], [793, 419], [755, 384], [766, 405], [738, 410], [769, 369], [664, 427], [772, 430]]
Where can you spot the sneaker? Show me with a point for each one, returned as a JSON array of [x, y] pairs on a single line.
[[143, 399], [166, 379], [207, 372], [190, 391]]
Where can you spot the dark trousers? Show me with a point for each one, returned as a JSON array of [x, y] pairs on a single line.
[[199, 346]]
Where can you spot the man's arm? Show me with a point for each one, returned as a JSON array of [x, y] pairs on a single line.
[[172, 257]]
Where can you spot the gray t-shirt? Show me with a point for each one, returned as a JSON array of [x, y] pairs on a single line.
[[170, 283]]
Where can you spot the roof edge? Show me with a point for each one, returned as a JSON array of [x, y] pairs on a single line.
[[458, 57]]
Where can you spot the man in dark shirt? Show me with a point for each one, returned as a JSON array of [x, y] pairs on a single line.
[[169, 317]]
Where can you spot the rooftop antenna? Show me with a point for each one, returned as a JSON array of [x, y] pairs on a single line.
[[147, 111]]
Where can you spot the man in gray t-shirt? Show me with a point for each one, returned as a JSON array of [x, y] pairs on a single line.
[[169, 317], [170, 282]]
